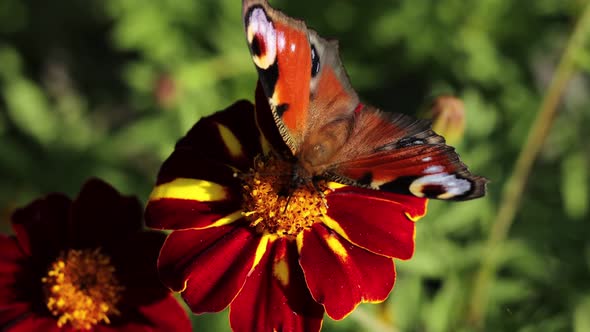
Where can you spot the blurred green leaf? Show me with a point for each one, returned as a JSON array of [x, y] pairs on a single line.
[[11, 62], [443, 311], [30, 110], [406, 302], [582, 315], [574, 185]]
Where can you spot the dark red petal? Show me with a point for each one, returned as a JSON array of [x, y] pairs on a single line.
[[12, 259], [127, 327], [179, 214], [42, 226], [135, 262], [11, 313], [229, 136], [266, 122], [341, 275], [185, 163], [101, 215], [275, 296], [164, 315], [377, 221], [35, 323], [208, 266]]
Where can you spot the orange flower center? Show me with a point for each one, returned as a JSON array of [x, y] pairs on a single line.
[[273, 204], [81, 288]]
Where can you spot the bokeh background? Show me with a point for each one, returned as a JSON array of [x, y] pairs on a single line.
[[105, 87]]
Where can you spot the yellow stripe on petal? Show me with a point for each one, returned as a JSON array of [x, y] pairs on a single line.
[[193, 189], [335, 226], [299, 241], [281, 271], [332, 241], [261, 249], [337, 247], [228, 219], [231, 141], [336, 185]]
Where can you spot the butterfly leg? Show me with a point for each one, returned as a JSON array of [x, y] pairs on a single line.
[[315, 181]]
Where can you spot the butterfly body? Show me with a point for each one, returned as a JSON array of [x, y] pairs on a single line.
[[330, 133]]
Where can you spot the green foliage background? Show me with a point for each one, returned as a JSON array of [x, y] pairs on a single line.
[[105, 88]]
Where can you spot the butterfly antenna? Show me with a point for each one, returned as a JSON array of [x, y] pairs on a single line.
[[287, 204]]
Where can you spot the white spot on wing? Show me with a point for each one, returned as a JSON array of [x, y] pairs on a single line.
[[427, 159], [281, 41], [433, 169], [452, 185]]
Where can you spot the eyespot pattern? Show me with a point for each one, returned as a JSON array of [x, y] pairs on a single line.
[[315, 61], [262, 38], [441, 185]]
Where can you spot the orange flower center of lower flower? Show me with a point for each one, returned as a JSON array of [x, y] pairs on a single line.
[[273, 204], [81, 288]]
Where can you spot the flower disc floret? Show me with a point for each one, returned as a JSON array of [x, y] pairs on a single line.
[[272, 207], [82, 289]]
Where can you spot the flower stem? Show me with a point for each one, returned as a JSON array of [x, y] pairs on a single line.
[[514, 187]]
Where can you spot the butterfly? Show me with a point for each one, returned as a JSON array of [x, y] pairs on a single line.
[[330, 133]]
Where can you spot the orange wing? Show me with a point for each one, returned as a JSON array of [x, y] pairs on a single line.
[[300, 72]]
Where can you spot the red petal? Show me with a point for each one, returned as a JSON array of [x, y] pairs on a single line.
[[163, 315], [42, 226], [135, 262], [374, 220], [35, 323], [12, 260], [166, 315], [209, 266], [229, 136], [275, 296], [179, 214], [341, 275], [101, 215]]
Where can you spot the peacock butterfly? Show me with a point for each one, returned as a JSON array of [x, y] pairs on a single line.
[[330, 133]]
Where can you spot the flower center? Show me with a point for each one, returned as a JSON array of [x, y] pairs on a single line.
[[81, 288], [275, 202]]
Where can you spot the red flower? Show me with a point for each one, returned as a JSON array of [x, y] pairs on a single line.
[[84, 265], [279, 255]]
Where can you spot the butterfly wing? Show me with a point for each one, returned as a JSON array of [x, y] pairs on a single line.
[[329, 132], [300, 73], [397, 153]]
